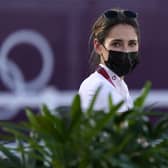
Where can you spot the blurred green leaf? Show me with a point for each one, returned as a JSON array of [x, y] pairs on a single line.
[[90, 108], [68, 137], [139, 102]]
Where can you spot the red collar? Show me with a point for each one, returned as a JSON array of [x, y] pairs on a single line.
[[103, 72]]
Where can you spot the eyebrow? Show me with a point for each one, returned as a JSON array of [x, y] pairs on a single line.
[[133, 40], [121, 40], [117, 40]]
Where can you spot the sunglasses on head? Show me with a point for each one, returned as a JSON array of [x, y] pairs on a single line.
[[112, 14]]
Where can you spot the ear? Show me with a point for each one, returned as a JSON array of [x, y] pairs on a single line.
[[97, 46]]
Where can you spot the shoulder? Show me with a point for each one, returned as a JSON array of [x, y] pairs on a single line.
[[91, 80], [94, 81], [88, 88]]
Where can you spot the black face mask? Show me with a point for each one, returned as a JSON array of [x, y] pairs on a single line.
[[122, 63]]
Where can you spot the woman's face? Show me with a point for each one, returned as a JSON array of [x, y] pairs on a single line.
[[121, 37]]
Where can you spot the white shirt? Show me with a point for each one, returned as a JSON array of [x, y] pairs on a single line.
[[119, 91]]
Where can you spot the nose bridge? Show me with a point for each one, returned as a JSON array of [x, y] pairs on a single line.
[[126, 46]]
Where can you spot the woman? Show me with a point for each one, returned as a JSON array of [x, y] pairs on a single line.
[[115, 37]]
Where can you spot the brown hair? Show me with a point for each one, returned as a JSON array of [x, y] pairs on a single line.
[[101, 28]]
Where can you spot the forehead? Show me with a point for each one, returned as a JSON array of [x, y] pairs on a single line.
[[122, 31]]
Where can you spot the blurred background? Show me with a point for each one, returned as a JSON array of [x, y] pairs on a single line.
[[44, 51]]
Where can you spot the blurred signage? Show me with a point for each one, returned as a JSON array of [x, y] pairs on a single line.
[[31, 93]]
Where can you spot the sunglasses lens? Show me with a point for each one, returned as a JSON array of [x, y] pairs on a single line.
[[130, 14], [110, 14]]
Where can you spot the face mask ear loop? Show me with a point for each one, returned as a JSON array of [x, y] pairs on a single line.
[[102, 57], [105, 47], [102, 54]]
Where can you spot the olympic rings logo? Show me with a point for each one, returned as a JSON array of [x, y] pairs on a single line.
[[12, 76], [10, 73]]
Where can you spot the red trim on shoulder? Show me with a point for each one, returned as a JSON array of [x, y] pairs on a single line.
[[103, 72]]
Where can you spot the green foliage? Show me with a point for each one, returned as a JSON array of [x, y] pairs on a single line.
[[71, 138]]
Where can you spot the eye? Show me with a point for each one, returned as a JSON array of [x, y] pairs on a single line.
[[116, 44], [132, 43]]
